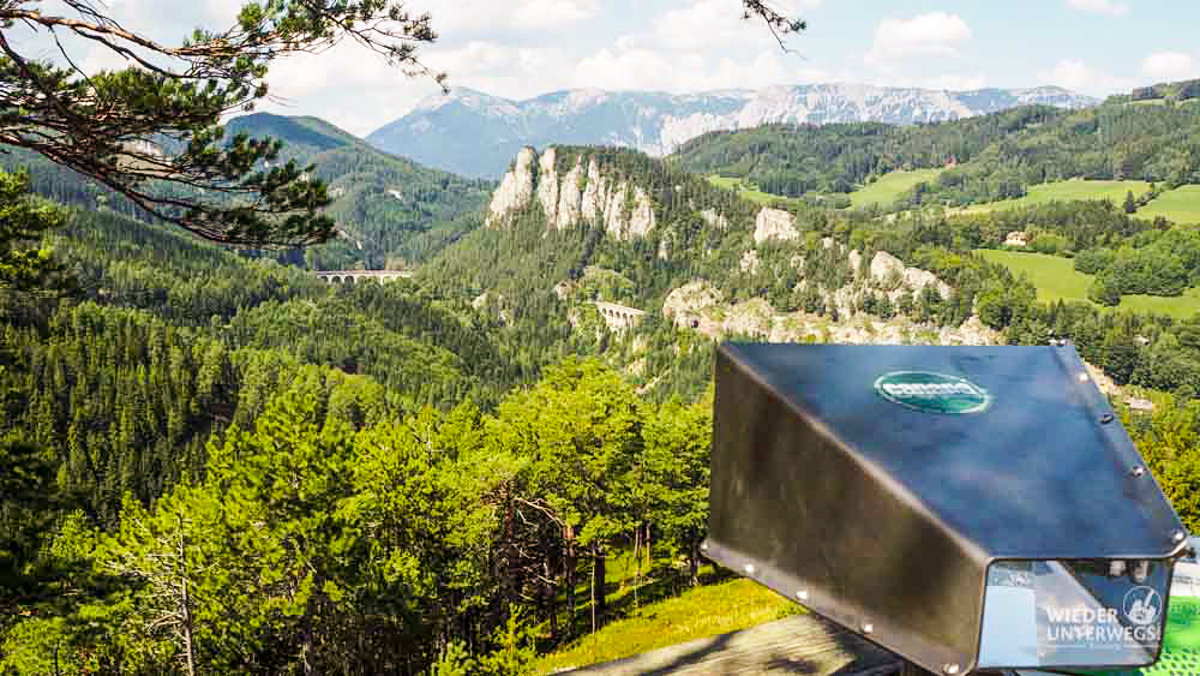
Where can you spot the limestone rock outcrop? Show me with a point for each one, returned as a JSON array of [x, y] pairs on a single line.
[[547, 189], [569, 196], [886, 275], [515, 189], [688, 305], [751, 318], [774, 224], [700, 307], [641, 219], [972, 332], [714, 219], [887, 269], [749, 262], [493, 302], [585, 192], [665, 245], [564, 289]]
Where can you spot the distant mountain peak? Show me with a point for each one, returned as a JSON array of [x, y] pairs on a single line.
[[461, 95], [481, 133]]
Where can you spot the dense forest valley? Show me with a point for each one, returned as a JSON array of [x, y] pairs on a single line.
[[215, 462]]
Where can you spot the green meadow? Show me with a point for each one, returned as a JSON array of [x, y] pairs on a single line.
[[747, 190], [699, 612], [890, 186], [1066, 191], [1181, 205], [1056, 278], [883, 191]]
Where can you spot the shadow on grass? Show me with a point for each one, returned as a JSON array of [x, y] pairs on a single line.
[[850, 655], [662, 583]]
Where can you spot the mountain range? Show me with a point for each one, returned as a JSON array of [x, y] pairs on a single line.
[[476, 135]]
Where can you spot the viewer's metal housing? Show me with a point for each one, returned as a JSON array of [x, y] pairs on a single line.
[[885, 519]]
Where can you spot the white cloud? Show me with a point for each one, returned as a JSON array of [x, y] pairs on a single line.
[[472, 18], [503, 70], [1171, 66], [932, 34], [369, 94], [1076, 75], [631, 41], [703, 24], [222, 13], [635, 68], [473, 58], [541, 14], [467, 16], [99, 58], [303, 74], [1069, 73], [1108, 7], [700, 23]]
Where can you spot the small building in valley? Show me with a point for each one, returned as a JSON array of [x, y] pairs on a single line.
[[1016, 238]]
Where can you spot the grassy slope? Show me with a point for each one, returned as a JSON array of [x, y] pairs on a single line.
[[1181, 205], [747, 190], [1066, 191], [697, 613], [882, 192], [1056, 278], [890, 186], [655, 614]]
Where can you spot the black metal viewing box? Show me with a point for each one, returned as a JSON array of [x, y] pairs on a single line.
[[964, 507]]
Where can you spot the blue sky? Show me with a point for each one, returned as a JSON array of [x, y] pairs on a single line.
[[521, 48]]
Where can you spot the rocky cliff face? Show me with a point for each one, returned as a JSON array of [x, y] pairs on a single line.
[[886, 275], [888, 271], [774, 224], [585, 192], [701, 307], [516, 188]]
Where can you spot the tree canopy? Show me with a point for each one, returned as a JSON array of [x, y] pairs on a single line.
[[151, 132]]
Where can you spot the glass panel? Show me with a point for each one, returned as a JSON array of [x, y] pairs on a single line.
[[1073, 613], [1181, 645]]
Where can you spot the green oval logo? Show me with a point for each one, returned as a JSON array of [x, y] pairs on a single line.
[[932, 392]]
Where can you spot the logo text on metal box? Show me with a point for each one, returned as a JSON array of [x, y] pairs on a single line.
[[932, 392]]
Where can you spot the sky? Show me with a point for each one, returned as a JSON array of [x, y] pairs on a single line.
[[522, 48]]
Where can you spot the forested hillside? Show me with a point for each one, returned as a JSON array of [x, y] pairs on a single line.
[[390, 212], [792, 160], [393, 212], [351, 472], [217, 463], [985, 159]]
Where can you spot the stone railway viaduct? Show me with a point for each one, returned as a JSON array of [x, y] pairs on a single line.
[[355, 276], [617, 317]]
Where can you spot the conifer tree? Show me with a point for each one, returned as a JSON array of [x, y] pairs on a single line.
[[151, 132]]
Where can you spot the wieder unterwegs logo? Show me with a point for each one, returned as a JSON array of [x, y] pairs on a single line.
[[1142, 605], [1102, 627], [933, 392]]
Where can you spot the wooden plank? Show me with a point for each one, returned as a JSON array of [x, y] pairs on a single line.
[[802, 644]]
